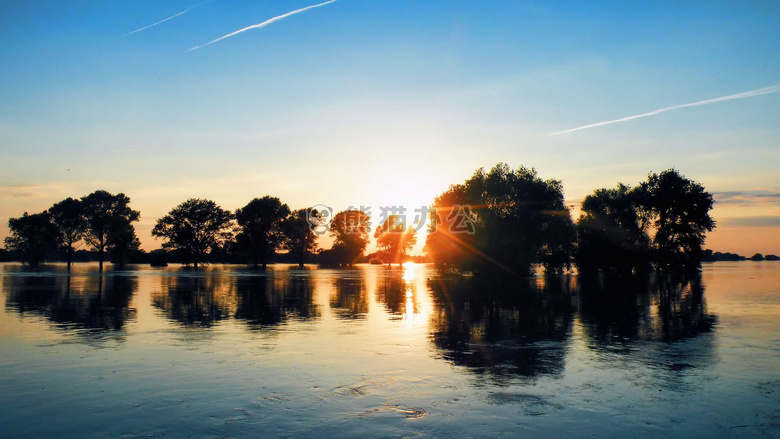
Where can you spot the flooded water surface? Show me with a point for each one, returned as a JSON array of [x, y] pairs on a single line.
[[375, 352]]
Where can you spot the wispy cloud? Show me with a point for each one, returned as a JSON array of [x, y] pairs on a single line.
[[751, 221], [29, 190], [169, 18], [748, 197], [263, 24], [747, 94]]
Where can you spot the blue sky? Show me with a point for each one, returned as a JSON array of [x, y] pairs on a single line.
[[386, 102]]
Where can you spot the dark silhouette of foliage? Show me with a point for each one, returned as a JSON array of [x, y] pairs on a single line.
[[680, 218], [108, 224], [300, 239], [611, 232], [68, 216], [616, 225], [32, 237], [502, 221], [260, 228], [193, 228], [350, 229], [394, 239]]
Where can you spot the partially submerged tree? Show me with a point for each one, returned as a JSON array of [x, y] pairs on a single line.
[[502, 221], [193, 228], [394, 239], [679, 210], [32, 237], [611, 232], [108, 223], [298, 228], [68, 216], [661, 223], [260, 228], [350, 229]]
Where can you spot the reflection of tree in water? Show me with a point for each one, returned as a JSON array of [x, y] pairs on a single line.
[[657, 320], [95, 303], [502, 329], [661, 308], [274, 299], [349, 301], [198, 299], [393, 291]]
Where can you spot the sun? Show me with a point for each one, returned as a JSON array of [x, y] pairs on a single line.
[[409, 197]]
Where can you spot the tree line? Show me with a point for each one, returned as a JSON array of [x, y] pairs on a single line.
[[520, 221], [198, 230], [501, 221]]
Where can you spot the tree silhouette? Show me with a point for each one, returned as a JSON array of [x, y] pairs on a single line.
[[193, 228], [32, 237], [68, 216], [394, 239], [350, 229], [260, 228], [616, 225], [611, 232], [298, 228], [680, 219], [503, 221], [108, 223]]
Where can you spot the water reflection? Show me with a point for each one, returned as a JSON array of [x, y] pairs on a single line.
[[524, 329], [95, 303], [349, 300], [270, 300], [622, 310], [195, 299], [517, 329], [259, 299]]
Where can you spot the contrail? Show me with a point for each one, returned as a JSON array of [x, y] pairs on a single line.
[[263, 24], [172, 16], [747, 94]]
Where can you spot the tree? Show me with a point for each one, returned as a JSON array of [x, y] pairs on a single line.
[[679, 210], [194, 227], [451, 243], [108, 222], [504, 221], [32, 237], [68, 216], [260, 228], [350, 229], [298, 228], [611, 232], [661, 222], [394, 239]]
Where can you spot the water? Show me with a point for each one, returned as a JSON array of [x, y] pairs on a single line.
[[372, 352]]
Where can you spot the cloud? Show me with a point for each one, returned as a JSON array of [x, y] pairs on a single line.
[[172, 16], [29, 190], [747, 94], [263, 24], [751, 221], [748, 197]]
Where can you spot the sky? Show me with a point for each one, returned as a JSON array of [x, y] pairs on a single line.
[[388, 102]]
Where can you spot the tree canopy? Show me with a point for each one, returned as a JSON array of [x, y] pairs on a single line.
[[68, 217], [108, 224], [661, 223], [298, 228], [502, 221], [350, 231], [260, 232], [32, 237], [193, 228], [394, 239]]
